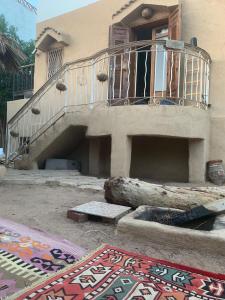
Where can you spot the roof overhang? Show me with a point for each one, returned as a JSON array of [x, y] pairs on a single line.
[[51, 36], [131, 12]]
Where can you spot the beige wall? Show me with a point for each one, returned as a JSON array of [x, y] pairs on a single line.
[[205, 20], [122, 123], [14, 106]]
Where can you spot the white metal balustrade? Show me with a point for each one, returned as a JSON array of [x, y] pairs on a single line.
[[139, 73]]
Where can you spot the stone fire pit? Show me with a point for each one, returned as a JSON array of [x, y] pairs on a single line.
[[206, 234]]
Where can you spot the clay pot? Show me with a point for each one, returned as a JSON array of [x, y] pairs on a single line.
[[216, 172], [35, 111], [61, 86], [102, 77], [147, 13], [14, 133]]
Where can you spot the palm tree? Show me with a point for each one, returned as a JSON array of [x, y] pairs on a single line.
[[11, 56]]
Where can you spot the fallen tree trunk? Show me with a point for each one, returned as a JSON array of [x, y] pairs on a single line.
[[134, 193]]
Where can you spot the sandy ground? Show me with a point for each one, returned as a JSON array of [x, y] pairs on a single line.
[[45, 207]]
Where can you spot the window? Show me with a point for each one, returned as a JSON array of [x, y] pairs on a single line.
[[55, 61]]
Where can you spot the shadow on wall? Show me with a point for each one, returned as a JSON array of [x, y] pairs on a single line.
[[72, 144], [69, 141]]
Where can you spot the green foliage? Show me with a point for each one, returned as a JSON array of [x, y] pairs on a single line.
[[28, 48], [12, 32], [6, 79]]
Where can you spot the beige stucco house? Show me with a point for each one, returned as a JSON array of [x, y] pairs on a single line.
[[128, 88]]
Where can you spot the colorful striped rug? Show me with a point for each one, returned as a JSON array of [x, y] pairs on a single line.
[[28, 255], [114, 274]]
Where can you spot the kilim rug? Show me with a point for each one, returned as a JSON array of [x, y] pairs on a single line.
[[27, 255], [114, 274]]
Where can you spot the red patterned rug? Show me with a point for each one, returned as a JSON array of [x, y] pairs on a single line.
[[114, 274]]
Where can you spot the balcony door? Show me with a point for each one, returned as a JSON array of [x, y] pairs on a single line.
[[143, 73], [174, 59], [159, 62], [119, 63]]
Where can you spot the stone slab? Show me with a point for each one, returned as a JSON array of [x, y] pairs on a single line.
[[103, 210]]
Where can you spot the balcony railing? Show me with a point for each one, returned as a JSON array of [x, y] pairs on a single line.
[[23, 82], [141, 73]]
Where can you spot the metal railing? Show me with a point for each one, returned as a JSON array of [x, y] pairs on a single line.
[[138, 73], [23, 82]]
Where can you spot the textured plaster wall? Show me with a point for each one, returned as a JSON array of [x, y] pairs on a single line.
[[205, 20], [122, 123], [14, 106]]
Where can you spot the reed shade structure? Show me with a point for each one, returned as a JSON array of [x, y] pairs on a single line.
[[11, 56]]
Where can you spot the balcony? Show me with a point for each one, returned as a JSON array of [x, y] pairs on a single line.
[[159, 73], [145, 73]]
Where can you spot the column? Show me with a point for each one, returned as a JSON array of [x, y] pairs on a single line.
[[121, 155], [197, 160], [94, 156]]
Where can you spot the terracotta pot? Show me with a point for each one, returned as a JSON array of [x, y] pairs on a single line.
[[147, 13], [61, 86], [14, 133], [35, 111], [102, 77], [216, 172]]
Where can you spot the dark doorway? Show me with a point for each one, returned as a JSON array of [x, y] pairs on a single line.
[[160, 159], [143, 62]]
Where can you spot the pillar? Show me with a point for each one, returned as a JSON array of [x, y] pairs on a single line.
[[121, 155], [94, 157], [197, 160]]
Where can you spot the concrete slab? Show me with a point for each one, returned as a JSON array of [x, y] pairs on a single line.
[[106, 211]]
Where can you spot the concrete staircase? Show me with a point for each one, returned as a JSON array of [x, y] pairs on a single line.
[[59, 139]]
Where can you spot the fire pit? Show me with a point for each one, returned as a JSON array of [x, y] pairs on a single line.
[[147, 222]]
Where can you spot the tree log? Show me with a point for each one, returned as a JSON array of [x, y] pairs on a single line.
[[134, 193]]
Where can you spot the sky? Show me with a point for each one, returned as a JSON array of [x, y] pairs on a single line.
[[20, 17], [51, 8]]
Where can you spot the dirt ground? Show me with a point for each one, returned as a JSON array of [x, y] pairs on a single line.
[[44, 207]]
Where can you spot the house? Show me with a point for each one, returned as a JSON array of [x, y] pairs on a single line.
[[128, 88]]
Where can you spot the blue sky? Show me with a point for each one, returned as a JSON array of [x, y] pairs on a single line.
[[51, 8]]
